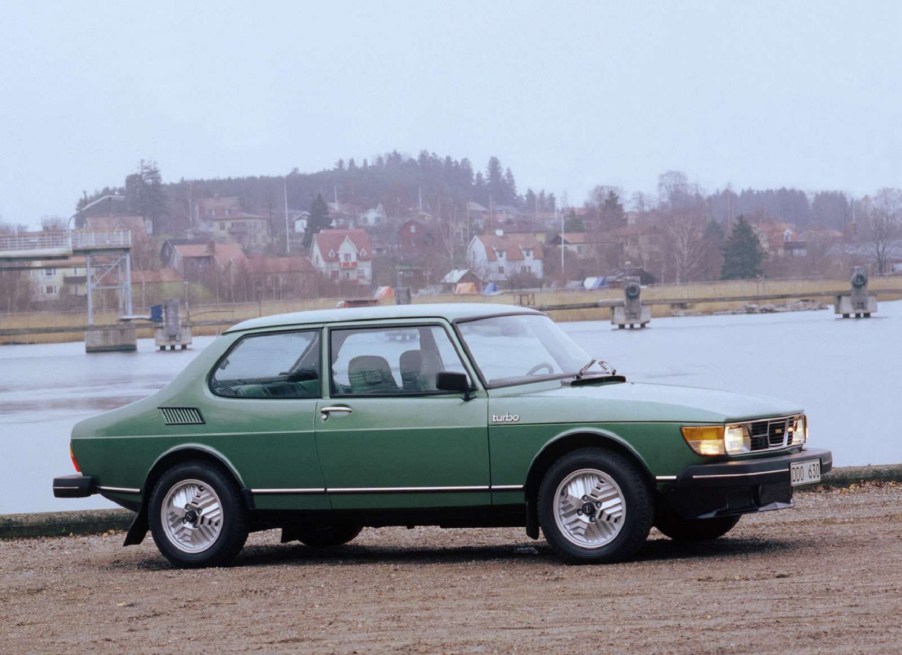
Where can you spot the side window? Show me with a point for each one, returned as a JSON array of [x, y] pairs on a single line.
[[391, 361], [278, 365]]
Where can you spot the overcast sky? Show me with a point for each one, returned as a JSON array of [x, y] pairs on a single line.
[[567, 94]]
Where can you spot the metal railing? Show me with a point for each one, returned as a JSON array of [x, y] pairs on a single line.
[[63, 242], [30, 241]]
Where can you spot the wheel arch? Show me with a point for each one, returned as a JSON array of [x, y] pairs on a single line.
[[186, 453], [563, 444], [182, 453]]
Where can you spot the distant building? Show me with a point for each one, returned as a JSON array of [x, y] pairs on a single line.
[[344, 256], [499, 257], [59, 279], [136, 225], [250, 231], [581, 244], [195, 262], [280, 277]]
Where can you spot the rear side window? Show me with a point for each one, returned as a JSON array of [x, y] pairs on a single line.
[[278, 365], [391, 361]]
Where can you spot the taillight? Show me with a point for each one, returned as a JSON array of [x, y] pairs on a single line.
[[74, 461]]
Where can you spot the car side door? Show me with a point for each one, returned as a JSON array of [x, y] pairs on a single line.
[[386, 436], [264, 408]]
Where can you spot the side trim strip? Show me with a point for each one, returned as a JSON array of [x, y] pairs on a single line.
[[402, 490], [665, 477], [319, 490], [387, 490], [740, 475], [119, 490]]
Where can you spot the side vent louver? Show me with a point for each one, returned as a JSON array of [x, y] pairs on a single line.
[[182, 416]]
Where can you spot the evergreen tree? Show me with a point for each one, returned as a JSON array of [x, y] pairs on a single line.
[[144, 194], [742, 253], [494, 178], [612, 214], [318, 220]]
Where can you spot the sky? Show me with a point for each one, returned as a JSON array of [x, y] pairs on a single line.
[[568, 94]]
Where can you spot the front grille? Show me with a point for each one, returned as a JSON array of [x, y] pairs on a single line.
[[771, 434]]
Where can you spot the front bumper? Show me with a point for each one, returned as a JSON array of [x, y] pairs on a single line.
[[738, 486], [74, 486]]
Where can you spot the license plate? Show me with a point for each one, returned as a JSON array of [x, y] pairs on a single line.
[[807, 472]]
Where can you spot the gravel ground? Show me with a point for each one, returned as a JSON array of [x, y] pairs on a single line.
[[825, 577]]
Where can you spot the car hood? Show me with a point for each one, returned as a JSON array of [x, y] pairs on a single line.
[[630, 402]]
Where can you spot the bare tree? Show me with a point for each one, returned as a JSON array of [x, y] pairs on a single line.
[[883, 224], [685, 244]]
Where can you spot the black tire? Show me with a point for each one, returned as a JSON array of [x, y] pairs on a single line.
[[608, 522], [679, 529], [327, 536], [206, 523]]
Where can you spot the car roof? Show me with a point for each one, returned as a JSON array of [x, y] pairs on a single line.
[[449, 311]]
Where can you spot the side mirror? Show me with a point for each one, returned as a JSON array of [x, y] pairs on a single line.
[[459, 382]]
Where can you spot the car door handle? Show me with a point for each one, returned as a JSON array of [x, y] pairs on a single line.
[[326, 412]]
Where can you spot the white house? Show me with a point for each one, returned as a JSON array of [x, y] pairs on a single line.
[[498, 257], [344, 256]]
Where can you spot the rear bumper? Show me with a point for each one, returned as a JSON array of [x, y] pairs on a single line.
[[74, 486], [737, 487]]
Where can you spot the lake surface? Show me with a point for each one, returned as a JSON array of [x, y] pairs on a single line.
[[846, 373]]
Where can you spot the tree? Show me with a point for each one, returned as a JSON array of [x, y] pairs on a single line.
[[574, 223], [611, 211], [742, 253], [686, 246], [144, 195], [318, 220], [883, 224]]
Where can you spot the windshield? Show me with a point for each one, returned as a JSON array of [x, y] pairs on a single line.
[[523, 348]]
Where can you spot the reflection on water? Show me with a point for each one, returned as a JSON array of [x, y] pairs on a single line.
[[844, 372], [45, 390]]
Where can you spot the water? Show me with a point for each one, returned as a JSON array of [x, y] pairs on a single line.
[[845, 373]]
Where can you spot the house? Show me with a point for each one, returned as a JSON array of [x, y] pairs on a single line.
[[281, 277], [136, 225], [250, 231], [418, 238], [196, 262], [344, 256], [499, 257], [581, 244], [58, 279], [372, 217], [218, 207]]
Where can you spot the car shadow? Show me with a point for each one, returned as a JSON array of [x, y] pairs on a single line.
[[296, 554]]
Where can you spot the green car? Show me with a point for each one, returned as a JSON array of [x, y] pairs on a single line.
[[461, 415]]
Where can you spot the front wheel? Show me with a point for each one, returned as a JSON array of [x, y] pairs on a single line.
[[679, 529], [594, 506], [197, 516]]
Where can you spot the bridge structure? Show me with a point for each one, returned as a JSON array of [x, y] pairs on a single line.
[[107, 259]]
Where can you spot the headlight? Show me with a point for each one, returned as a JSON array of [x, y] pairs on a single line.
[[737, 440], [705, 439], [717, 439], [800, 431]]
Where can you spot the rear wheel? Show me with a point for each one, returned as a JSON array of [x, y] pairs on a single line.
[[594, 506], [680, 529], [197, 516]]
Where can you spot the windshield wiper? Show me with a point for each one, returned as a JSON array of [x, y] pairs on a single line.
[[583, 370], [606, 369]]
